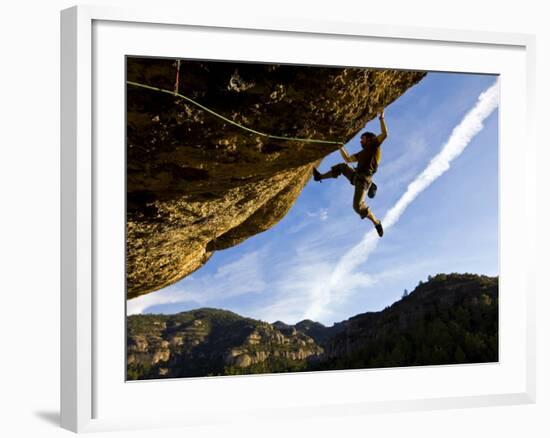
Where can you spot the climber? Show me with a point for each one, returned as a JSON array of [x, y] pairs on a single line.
[[367, 163]]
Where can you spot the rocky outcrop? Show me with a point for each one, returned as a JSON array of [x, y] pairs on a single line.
[[147, 350], [209, 342], [268, 342], [197, 184]]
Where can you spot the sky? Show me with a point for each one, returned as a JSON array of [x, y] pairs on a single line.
[[437, 194]]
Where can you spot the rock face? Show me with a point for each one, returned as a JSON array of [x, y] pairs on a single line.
[[197, 184], [210, 342]]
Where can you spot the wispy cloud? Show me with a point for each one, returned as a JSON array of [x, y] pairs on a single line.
[[399, 171], [299, 277], [140, 304], [311, 217], [322, 214], [462, 134], [241, 277]]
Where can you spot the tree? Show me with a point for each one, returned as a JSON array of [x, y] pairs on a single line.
[[460, 356], [405, 293]]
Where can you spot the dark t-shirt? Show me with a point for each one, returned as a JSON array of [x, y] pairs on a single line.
[[368, 159]]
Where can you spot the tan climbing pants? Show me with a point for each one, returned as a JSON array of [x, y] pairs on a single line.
[[360, 181]]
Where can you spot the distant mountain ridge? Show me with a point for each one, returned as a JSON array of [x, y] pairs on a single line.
[[451, 318], [447, 320], [209, 341], [319, 332]]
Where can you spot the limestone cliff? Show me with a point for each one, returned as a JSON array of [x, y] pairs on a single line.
[[211, 342], [197, 184]]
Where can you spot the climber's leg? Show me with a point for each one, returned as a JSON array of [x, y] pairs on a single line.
[[343, 169], [361, 184], [318, 176], [334, 172], [377, 224]]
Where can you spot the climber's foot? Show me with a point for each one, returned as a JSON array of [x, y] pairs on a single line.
[[316, 175], [372, 190], [379, 228]]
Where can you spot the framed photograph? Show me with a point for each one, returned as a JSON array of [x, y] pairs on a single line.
[[268, 219]]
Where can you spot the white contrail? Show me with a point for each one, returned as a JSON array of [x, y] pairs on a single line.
[[462, 134]]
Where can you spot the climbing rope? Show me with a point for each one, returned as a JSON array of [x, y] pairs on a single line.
[[263, 134], [177, 84]]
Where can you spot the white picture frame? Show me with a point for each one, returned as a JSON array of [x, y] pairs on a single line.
[[90, 401]]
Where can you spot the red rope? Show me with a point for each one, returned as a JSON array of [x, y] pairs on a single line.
[[177, 85]]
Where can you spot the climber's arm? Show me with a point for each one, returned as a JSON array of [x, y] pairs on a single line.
[[383, 128], [347, 158]]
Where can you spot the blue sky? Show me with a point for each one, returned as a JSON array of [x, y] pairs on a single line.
[[451, 226]]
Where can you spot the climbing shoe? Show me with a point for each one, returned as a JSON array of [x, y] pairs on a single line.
[[372, 190], [379, 229], [316, 175]]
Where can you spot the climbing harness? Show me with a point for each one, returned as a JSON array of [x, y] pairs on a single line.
[[214, 113]]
